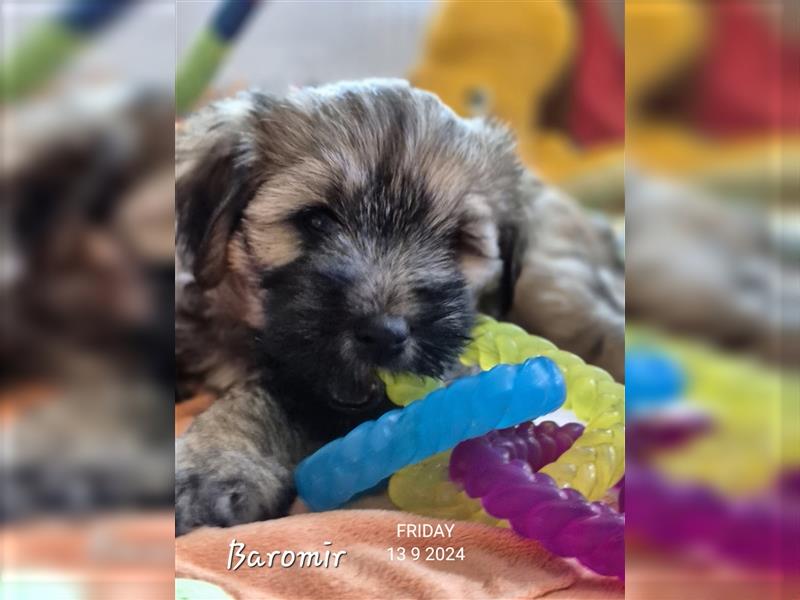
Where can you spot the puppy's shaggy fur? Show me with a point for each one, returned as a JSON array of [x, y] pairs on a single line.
[[328, 234]]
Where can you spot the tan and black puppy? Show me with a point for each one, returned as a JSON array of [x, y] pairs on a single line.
[[323, 236]]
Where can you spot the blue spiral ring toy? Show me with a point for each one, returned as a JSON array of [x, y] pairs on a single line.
[[471, 406], [653, 379]]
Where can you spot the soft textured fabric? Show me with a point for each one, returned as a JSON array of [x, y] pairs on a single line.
[[188, 410], [497, 563], [125, 556]]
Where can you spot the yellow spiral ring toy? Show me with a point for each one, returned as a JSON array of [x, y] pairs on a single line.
[[592, 465], [756, 422]]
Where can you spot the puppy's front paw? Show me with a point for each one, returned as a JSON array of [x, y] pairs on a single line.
[[229, 489]]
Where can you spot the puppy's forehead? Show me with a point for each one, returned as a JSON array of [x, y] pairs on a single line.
[[302, 184], [356, 145]]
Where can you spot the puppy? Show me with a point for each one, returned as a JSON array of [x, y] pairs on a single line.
[[321, 237]]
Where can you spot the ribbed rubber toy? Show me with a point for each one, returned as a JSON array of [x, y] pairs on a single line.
[[469, 407], [562, 520]]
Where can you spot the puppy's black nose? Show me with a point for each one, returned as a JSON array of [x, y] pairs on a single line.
[[383, 334]]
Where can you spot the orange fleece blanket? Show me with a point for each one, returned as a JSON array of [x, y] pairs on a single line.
[[496, 564]]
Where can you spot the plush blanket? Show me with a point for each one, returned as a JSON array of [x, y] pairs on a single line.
[[496, 563]]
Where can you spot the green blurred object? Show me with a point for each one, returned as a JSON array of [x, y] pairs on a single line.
[[194, 589], [37, 58], [51, 44], [199, 68]]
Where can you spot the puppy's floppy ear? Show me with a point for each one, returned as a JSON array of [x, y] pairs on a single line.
[[213, 185], [511, 240]]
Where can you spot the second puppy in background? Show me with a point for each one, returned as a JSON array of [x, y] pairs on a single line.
[[343, 229]]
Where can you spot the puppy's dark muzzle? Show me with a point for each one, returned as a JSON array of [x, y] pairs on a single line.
[[382, 338], [358, 400]]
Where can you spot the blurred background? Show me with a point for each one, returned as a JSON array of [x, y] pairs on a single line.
[[86, 335], [712, 502], [677, 120], [552, 70]]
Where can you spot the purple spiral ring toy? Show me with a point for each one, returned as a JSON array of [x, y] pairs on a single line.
[[761, 532], [499, 468]]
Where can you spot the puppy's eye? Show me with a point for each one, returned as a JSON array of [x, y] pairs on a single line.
[[316, 219]]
